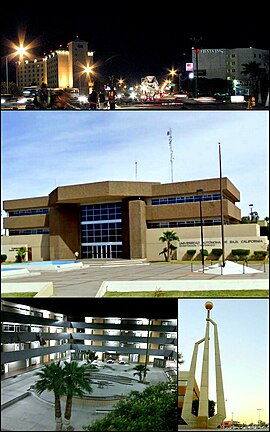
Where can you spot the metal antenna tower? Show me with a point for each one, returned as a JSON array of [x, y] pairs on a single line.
[[169, 134]]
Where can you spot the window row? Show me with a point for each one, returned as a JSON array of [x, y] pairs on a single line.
[[29, 231], [101, 212], [186, 199], [28, 212], [175, 224], [101, 233]]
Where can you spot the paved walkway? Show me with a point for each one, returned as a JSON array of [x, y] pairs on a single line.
[[25, 411], [86, 282]]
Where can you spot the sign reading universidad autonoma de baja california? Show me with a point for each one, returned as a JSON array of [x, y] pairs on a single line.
[[229, 242]]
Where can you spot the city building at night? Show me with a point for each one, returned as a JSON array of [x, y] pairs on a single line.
[[32, 335], [118, 219], [61, 68], [228, 64]]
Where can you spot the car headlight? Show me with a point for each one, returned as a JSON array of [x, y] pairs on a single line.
[[83, 99], [22, 100]]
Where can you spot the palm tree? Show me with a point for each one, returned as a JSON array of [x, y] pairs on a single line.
[[51, 379], [77, 382], [168, 237], [141, 370], [256, 74]]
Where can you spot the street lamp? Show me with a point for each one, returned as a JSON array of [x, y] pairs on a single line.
[[259, 409], [19, 50], [196, 50], [199, 193]]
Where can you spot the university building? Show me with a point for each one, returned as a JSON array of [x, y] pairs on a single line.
[[60, 69], [118, 219], [33, 336]]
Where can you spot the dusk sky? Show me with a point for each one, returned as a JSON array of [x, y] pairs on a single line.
[[43, 150], [143, 38], [244, 347]]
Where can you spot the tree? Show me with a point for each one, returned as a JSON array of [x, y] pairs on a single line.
[[211, 407], [12, 89], [168, 237], [51, 379], [255, 74], [77, 382], [154, 409], [21, 252], [90, 356], [141, 370]]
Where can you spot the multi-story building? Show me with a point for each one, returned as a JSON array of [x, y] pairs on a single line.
[[32, 336], [228, 64], [182, 385], [31, 72], [59, 69], [117, 219]]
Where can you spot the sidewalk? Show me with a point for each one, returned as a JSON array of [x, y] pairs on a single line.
[[30, 412]]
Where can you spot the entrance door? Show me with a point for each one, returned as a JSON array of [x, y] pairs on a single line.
[[29, 250]]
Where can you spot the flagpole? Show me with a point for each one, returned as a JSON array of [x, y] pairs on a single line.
[[221, 207]]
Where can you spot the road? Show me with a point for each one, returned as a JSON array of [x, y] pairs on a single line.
[[188, 104]]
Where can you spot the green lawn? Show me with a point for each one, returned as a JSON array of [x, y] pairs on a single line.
[[19, 294], [184, 294]]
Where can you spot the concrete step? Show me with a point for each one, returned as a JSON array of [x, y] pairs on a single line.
[[114, 262]]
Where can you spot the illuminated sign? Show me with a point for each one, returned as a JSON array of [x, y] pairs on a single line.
[[209, 51], [189, 67]]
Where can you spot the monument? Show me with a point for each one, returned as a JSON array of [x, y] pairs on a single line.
[[202, 420]]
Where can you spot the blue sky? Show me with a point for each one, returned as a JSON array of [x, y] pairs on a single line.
[[243, 338], [43, 150]]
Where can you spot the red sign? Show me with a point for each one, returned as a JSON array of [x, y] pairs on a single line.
[[189, 67]]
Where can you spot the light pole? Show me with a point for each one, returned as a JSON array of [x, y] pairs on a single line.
[[259, 409], [20, 51], [196, 50], [199, 193]]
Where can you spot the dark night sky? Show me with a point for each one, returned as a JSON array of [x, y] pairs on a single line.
[[119, 307], [145, 38]]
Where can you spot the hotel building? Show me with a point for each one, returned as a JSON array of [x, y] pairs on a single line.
[[118, 219], [227, 64], [33, 336], [59, 69]]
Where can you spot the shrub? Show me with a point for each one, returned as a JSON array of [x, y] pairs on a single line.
[[204, 252], [217, 252], [3, 257], [241, 252], [191, 252], [260, 255]]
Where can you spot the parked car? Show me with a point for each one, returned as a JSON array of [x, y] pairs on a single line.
[[110, 361]]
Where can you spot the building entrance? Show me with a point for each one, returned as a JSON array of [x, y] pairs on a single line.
[[106, 251], [101, 231]]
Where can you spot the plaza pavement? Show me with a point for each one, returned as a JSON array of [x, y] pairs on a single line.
[[87, 281], [23, 410]]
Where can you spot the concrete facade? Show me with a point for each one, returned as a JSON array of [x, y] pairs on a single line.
[[227, 63], [202, 421], [145, 211]]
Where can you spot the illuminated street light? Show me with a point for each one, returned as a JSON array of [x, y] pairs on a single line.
[[88, 69], [19, 49]]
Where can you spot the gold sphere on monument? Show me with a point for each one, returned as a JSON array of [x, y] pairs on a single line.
[[209, 305]]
